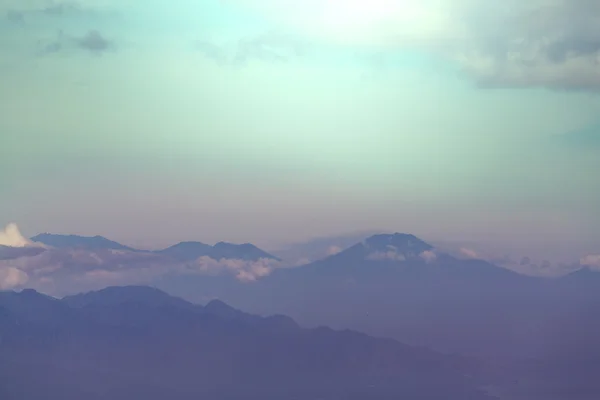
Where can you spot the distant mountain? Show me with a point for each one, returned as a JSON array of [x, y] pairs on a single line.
[[406, 244], [244, 251], [119, 295], [316, 249], [79, 242], [396, 258], [397, 285], [188, 251], [119, 345]]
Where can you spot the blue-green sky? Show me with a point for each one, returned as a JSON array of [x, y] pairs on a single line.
[[272, 121]]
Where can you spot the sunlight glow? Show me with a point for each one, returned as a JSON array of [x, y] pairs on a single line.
[[370, 21], [354, 13]]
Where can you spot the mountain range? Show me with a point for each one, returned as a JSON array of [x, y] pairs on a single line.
[[139, 342], [184, 251], [387, 285]]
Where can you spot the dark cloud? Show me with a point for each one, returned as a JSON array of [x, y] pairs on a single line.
[[21, 12], [64, 8], [93, 41], [15, 17], [212, 51], [525, 261], [553, 45]]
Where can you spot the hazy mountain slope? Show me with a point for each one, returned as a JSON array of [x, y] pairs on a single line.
[[189, 251], [10, 253], [108, 349], [79, 242], [399, 286]]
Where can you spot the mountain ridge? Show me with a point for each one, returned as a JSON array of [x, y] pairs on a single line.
[[119, 350]]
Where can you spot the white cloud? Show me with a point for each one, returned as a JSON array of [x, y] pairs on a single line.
[[468, 253], [333, 250], [391, 255], [429, 256], [11, 277], [11, 236], [100, 267], [243, 270], [301, 262], [592, 261]]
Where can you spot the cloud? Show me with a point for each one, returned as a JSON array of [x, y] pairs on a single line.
[[11, 236], [271, 46], [15, 17], [468, 253], [12, 277], [126, 267], [212, 51], [243, 270], [55, 8], [391, 255], [592, 261], [62, 8], [550, 43], [429, 256], [301, 262], [93, 41], [103, 275], [528, 266], [333, 250], [525, 261]]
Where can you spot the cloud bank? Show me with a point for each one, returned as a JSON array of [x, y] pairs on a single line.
[[12, 277], [390, 255], [74, 269], [551, 43], [243, 270]]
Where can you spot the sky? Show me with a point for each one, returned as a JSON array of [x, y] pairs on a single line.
[[274, 121]]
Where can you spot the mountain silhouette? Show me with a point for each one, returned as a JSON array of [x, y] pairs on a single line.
[[79, 242], [189, 251], [133, 342], [397, 285]]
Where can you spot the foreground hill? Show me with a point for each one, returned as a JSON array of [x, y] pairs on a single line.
[[137, 342]]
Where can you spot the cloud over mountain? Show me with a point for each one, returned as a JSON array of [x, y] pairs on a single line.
[[11, 236], [89, 263], [392, 255], [428, 255], [592, 261], [468, 253], [11, 277], [243, 270]]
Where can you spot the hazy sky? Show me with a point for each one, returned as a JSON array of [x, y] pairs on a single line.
[[270, 121]]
